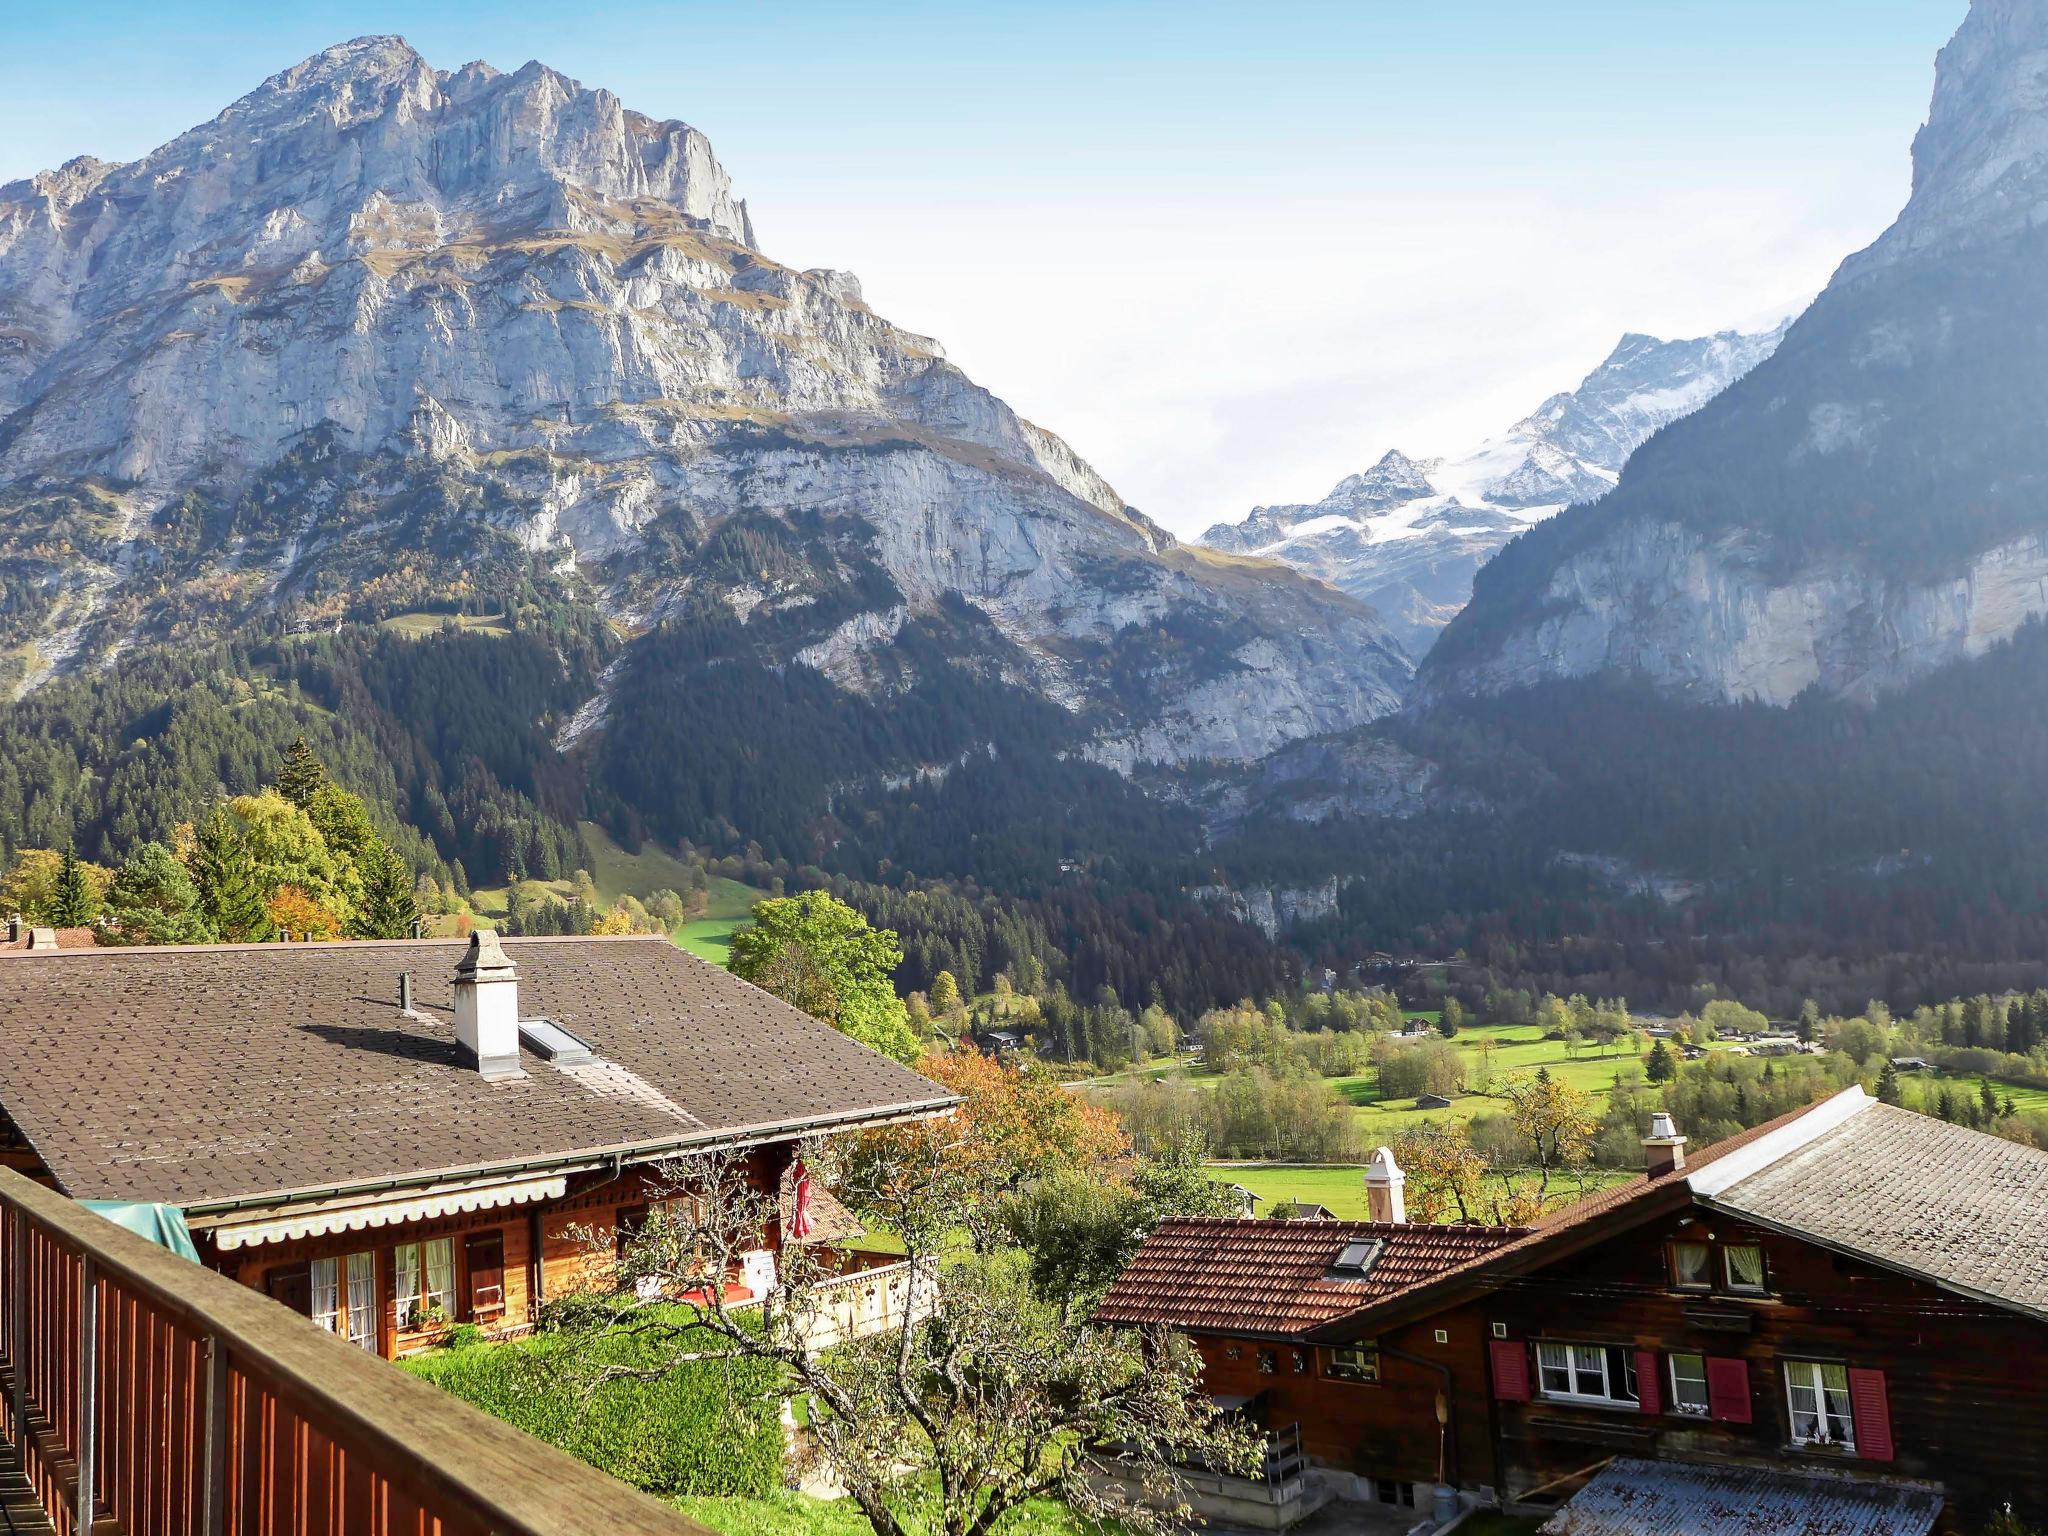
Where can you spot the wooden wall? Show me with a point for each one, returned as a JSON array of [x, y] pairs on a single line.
[[1967, 1383], [1385, 1429], [576, 1241]]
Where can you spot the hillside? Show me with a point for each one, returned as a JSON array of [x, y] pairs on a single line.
[[1866, 505]]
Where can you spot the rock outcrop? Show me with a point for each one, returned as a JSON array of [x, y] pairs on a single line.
[[1872, 501], [237, 370]]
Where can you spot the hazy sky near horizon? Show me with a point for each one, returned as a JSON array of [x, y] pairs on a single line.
[[1231, 252]]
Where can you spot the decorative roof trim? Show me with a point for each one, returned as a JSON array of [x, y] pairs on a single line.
[[1725, 1172]]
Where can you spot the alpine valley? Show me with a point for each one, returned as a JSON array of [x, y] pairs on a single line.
[[463, 422]]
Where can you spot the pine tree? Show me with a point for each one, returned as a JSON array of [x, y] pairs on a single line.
[[388, 908], [225, 873], [153, 901], [72, 906], [1888, 1085], [302, 773], [1660, 1068]]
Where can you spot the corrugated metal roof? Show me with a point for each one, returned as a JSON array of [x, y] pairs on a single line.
[[1941, 1200], [1669, 1498]]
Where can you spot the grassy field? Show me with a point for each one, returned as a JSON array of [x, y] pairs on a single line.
[[711, 934], [1341, 1188], [1517, 1048], [1918, 1090], [617, 873], [415, 625]]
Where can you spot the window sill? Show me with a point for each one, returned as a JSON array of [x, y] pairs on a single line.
[[1611, 1404]]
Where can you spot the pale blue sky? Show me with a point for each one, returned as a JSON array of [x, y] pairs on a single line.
[[1230, 251]]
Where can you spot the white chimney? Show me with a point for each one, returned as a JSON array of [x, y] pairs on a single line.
[[487, 1006], [1383, 1183], [1664, 1147]]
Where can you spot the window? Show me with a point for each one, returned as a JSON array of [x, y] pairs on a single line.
[[1355, 1362], [1587, 1373], [1692, 1267], [425, 1282], [1819, 1397], [1402, 1495], [1689, 1384], [1745, 1263], [1300, 1362], [1268, 1362], [1355, 1260], [344, 1299]]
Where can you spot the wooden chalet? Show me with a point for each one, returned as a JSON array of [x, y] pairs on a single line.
[[398, 1137], [1842, 1314]]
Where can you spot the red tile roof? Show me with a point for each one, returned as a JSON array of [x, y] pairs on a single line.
[[1273, 1278]]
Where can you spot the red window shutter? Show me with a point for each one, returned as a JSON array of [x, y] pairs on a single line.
[[1510, 1370], [1728, 1391], [1649, 1385], [1871, 1406]]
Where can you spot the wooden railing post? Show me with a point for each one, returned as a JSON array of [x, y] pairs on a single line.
[[215, 1512], [88, 1387], [17, 1322]]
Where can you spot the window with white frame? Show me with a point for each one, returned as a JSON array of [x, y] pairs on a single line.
[[1745, 1266], [1355, 1362], [1689, 1384], [1692, 1266], [425, 1282], [1587, 1373], [1819, 1397]]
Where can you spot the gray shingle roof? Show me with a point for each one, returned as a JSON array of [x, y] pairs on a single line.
[[1956, 1205], [206, 1074], [1663, 1498]]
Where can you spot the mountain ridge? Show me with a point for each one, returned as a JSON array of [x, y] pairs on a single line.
[[1408, 534], [376, 327]]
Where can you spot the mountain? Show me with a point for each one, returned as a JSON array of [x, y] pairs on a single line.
[[382, 339], [1872, 501], [1407, 535]]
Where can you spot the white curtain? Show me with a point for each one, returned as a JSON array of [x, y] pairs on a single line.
[[440, 1255], [362, 1299], [406, 1256], [326, 1294]]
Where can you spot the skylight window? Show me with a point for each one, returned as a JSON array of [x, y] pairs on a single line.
[[546, 1038], [1356, 1260]]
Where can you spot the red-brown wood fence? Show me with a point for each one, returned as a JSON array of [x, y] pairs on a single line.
[[147, 1396]]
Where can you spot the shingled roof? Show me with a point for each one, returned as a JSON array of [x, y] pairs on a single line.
[[1966, 1210], [1277, 1279], [205, 1075]]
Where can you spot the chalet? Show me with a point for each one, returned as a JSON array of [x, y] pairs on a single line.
[[1301, 1210], [1841, 1316], [1432, 1101], [395, 1137]]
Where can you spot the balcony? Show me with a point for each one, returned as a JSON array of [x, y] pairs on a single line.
[[141, 1395]]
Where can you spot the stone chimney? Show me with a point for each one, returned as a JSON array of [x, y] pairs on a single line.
[[487, 1006], [1664, 1147], [1384, 1179]]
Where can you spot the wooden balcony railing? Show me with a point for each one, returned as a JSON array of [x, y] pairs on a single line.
[[146, 1396]]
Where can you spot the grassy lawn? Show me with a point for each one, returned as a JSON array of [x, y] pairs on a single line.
[[1340, 1187], [798, 1514], [415, 625], [1517, 1048], [711, 935]]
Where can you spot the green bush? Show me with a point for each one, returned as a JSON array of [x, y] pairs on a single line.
[[704, 1428]]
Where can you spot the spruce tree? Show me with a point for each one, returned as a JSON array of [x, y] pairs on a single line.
[[225, 873], [1660, 1068], [388, 908], [1888, 1085], [302, 773], [73, 904]]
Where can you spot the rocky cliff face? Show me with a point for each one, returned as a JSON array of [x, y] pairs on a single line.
[[377, 326], [1407, 535], [1872, 501]]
